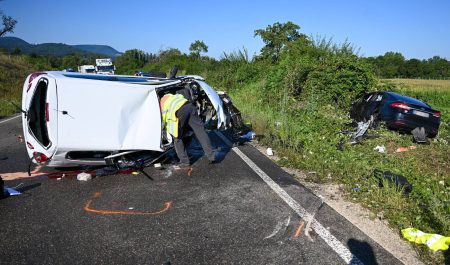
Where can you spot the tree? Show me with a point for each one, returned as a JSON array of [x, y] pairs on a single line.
[[276, 37], [8, 24], [131, 61], [198, 47]]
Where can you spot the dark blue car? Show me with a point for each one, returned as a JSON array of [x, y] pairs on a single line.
[[399, 112]]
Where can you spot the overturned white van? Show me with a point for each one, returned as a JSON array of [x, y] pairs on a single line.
[[72, 119]]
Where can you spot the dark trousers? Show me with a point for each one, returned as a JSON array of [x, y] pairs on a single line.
[[188, 119]]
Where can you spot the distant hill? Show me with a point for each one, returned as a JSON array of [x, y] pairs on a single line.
[[57, 49], [99, 49]]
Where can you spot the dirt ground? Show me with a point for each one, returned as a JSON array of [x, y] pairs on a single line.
[[376, 228]]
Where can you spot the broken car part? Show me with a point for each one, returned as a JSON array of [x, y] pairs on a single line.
[[399, 180]]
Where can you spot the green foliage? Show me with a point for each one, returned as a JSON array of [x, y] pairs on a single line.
[[276, 37], [338, 80], [198, 47], [394, 65], [132, 60], [13, 70]]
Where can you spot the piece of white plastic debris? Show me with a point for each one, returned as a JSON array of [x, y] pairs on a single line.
[[157, 165], [84, 176], [269, 151], [380, 149]]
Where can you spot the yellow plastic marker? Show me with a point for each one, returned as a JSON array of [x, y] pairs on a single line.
[[434, 241]]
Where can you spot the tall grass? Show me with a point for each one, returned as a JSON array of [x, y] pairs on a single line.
[[13, 70]]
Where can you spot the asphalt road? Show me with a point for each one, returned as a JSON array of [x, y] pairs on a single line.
[[243, 210]]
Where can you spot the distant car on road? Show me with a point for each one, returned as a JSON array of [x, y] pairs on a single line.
[[398, 111], [75, 119]]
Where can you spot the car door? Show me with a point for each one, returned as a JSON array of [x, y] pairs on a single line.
[[40, 123]]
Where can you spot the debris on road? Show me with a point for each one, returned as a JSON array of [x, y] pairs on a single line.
[[6, 192], [106, 171], [399, 180], [269, 151], [434, 241], [405, 149], [380, 149], [299, 229], [84, 176], [10, 192]]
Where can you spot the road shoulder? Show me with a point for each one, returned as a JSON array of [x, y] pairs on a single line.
[[376, 228]]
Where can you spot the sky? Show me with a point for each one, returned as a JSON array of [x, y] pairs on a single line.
[[417, 29]]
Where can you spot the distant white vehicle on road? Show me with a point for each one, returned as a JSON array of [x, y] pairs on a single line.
[[104, 66], [72, 119], [86, 69]]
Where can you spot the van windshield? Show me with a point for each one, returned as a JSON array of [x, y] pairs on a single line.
[[36, 114]]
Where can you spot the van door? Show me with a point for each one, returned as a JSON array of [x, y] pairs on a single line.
[[40, 126]]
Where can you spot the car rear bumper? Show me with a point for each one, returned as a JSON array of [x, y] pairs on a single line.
[[408, 122]]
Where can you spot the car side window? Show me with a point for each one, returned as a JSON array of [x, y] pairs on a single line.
[[37, 112]]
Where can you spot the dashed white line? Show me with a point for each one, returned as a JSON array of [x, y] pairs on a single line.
[[331, 240], [10, 119]]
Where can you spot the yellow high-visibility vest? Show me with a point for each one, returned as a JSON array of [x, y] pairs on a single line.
[[169, 106], [433, 241]]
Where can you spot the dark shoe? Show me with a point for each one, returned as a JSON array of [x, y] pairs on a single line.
[[213, 161]]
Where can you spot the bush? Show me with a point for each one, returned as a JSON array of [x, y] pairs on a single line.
[[338, 80]]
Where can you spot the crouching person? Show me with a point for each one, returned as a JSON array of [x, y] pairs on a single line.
[[180, 116]]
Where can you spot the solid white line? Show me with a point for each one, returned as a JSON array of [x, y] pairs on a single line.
[[332, 241], [11, 118]]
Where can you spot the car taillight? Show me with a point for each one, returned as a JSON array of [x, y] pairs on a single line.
[[400, 105], [40, 157], [32, 77], [47, 118], [30, 145], [437, 114]]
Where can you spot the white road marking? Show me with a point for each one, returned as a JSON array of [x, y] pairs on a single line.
[[10, 119], [331, 240]]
